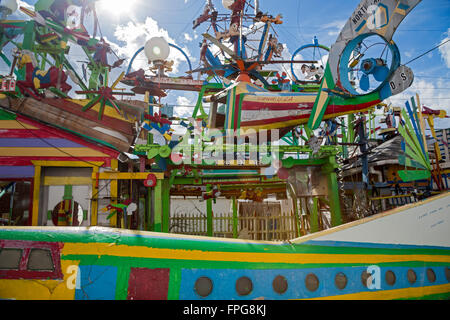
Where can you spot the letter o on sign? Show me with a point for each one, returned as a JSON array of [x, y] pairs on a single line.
[[150, 181]]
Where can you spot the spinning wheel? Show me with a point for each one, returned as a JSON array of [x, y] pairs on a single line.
[[314, 52]]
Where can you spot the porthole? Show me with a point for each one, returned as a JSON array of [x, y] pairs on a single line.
[[364, 277], [431, 275], [412, 277], [244, 286], [312, 282], [447, 274], [390, 277], [203, 286], [340, 281], [280, 284]]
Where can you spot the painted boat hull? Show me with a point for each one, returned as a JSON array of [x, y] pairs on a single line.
[[406, 244], [253, 108]]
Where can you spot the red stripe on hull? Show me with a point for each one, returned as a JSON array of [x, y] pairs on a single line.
[[255, 106], [332, 109], [22, 133]]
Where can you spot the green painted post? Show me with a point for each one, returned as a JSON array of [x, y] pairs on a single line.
[[335, 205], [209, 214], [333, 191], [235, 218], [166, 206], [150, 211], [68, 195], [351, 128], [158, 207], [314, 216], [344, 139]]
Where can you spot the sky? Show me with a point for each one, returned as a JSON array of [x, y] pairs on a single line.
[[127, 25]]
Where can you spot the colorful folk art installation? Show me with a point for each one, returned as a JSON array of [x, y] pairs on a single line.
[[107, 264], [391, 79], [36, 78]]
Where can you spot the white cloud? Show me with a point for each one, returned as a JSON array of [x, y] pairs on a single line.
[[184, 107], [334, 26], [445, 50], [408, 54], [187, 37]]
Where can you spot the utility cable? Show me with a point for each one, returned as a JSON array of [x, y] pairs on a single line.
[[434, 48]]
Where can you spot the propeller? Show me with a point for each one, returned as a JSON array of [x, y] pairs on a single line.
[[375, 67]]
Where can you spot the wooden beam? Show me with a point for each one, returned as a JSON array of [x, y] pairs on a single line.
[[314, 216], [63, 119], [158, 207], [209, 214], [235, 218], [75, 164], [127, 175], [36, 195], [114, 192], [94, 201]]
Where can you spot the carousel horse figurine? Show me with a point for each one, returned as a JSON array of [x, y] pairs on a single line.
[[40, 79]]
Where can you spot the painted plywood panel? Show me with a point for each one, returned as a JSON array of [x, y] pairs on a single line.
[[15, 172], [148, 284], [97, 283], [424, 224]]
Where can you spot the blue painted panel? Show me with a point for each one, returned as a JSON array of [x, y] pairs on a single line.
[[352, 244], [15, 172], [224, 282], [97, 283], [38, 143]]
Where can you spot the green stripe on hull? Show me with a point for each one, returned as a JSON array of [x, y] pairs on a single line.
[[209, 245]]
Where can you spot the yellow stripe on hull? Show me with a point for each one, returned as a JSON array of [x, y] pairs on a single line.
[[179, 254], [280, 99], [13, 124], [406, 293], [50, 152]]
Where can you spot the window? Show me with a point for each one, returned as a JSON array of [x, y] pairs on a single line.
[[10, 259], [15, 204], [40, 260], [30, 260]]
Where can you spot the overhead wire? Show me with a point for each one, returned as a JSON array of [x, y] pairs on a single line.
[[423, 54]]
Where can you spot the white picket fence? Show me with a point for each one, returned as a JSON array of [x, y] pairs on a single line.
[[272, 228]]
